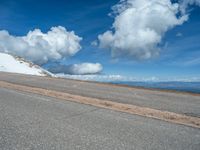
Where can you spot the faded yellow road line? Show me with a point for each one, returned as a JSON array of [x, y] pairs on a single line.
[[127, 108]]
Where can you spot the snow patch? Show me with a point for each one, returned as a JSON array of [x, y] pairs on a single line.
[[14, 64]]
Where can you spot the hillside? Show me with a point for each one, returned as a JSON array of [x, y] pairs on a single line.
[[14, 64]]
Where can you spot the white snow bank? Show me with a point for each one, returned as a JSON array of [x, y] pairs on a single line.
[[9, 63]]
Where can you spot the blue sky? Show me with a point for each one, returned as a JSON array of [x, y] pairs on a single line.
[[179, 48]]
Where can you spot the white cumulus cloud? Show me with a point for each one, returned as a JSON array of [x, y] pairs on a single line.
[[139, 26], [78, 69], [184, 4], [40, 47]]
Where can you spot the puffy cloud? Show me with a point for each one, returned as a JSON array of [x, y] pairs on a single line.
[[139, 27], [94, 43], [78, 69], [40, 47], [184, 4]]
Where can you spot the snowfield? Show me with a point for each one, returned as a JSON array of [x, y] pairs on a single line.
[[14, 64]]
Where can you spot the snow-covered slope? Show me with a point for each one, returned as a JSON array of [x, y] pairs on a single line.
[[9, 63]]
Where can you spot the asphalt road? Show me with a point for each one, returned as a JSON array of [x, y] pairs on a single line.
[[179, 103], [30, 121]]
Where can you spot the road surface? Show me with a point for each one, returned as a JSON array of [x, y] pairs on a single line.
[[30, 121], [187, 104]]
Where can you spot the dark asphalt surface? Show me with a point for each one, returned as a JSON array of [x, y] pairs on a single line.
[[34, 122], [179, 103]]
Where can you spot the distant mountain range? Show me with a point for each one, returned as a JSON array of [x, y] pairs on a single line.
[[193, 87]]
